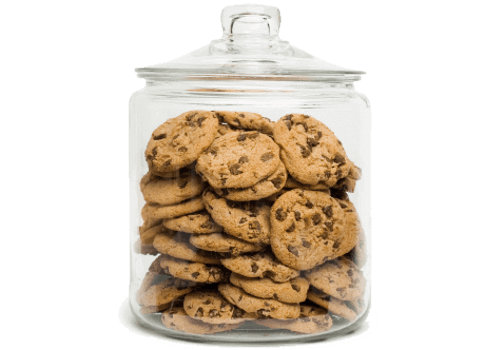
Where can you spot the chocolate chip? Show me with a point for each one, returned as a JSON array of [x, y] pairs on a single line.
[[277, 182], [238, 313], [266, 303], [291, 228], [195, 274], [338, 173], [275, 296], [243, 220], [288, 117], [241, 115], [255, 267], [328, 174], [263, 312], [213, 313], [316, 218], [288, 125], [191, 124], [183, 183], [328, 210], [305, 243], [329, 225], [159, 137], [241, 297], [241, 137], [309, 204], [343, 205], [243, 159], [304, 151], [182, 149], [267, 156], [295, 288], [253, 212], [254, 225], [339, 159], [293, 250], [350, 273], [280, 214], [200, 121], [336, 245], [233, 169], [253, 135], [297, 215], [191, 116], [318, 135], [312, 142]]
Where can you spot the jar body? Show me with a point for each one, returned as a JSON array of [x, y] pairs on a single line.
[[337, 105]]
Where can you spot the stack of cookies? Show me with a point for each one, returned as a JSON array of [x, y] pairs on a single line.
[[251, 221]]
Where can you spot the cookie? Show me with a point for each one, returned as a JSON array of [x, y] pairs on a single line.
[[180, 141], [222, 243], [335, 306], [246, 121], [248, 221], [339, 278], [193, 271], [178, 246], [197, 223], [178, 320], [162, 294], [359, 254], [208, 305], [293, 291], [307, 228], [153, 211], [313, 319], [165, 191], [150, 223], [179, 173], [260, 265], [261, 189], [146, 249], [358, 305], [262, 307], [148, 280], [225, 129], [239, 160], [310, 150]]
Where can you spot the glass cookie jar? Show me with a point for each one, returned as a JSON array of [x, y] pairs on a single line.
[[250, 191]]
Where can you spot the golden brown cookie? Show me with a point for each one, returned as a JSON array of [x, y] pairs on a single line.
[[193, 271], [336, 306], [352, 230], [177, 319], [339, 278], [239, 160], [180, 141], [310, 150], [262, 307], [262, 189], [260, 265], [178, 246], [246, 121], [293, 291], [292, 183], [152, 211], [149, 279], [307, 228], [209, 306], [313, 319], [359, 253], [197, 223], [147, 237], [166, 191], [222, 243], [248, 221], [149, 224]]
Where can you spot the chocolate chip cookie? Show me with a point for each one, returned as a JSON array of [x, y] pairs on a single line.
[[193, 271], [171, 191], [248, 221], [262, 307], [178, 246], [152, 211], [292, 183], [210, 306], [197, 223], [246, 121], [313, 319], [339, 278], [222, 243], [239, 160], [310, 150], [178, 320], [260, 265], [147, 237], [162, 294], [292, 291], [261, 189], [180, 141], [307, 228], [352, 230]]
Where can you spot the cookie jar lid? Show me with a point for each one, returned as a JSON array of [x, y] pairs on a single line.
[[249, 49]]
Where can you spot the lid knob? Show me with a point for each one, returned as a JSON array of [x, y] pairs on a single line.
[[250, 20]]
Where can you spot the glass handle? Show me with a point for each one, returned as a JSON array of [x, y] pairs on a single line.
[[247, 20]]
